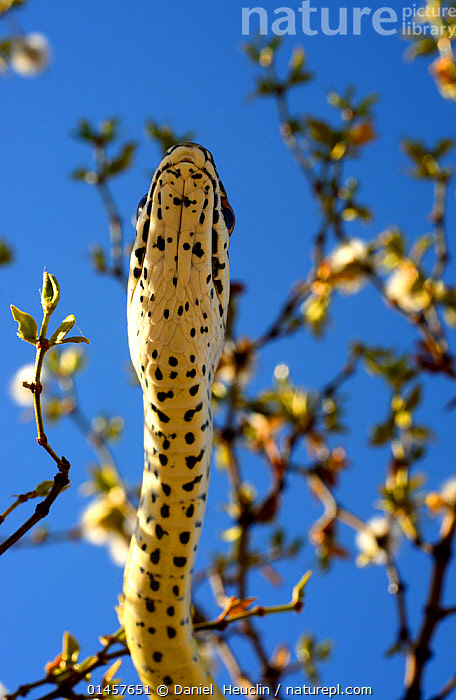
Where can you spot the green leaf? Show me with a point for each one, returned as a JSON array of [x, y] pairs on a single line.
[[321, 132], [297, 60], [64, 364], [86, 664], [420, 433], [103, 479], [64, 328], [422, 47], [122, 162], [297, 73], [43, 488], [106, 134], [75, 339], [50, 293], [267, 86], [5, 5], [299, 77], [251, 52], [420, 247], [414, 398], [165, 135], [85, 175], [298, 590], [381, 433], [98, 258], [70, 648], [364, 107], [443, 147], [308, 652], [108, 129], [415, 150], [337, 101], [277, 539], [396, 370], [6, 253], [54, 409], [394, 649], [294, 126], [323, 650], [295, 545], [85, 132], [27, 330], [396, 242], [5, 48]]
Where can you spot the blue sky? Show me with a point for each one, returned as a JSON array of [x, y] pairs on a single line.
[[181, 62]]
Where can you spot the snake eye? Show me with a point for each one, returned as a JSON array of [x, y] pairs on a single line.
[[228, 215], [141, 206]]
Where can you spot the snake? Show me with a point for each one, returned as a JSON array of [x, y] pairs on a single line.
[[178, 294]]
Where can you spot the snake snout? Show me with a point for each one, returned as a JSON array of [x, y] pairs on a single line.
[[189, 152]]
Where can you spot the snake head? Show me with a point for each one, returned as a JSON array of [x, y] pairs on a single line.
[[179, 270]]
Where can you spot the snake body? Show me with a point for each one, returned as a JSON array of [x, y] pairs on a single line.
[[178, 294]]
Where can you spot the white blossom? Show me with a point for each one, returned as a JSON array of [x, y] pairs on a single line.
[[345, 265], [19, 393], [109, 520], [378, 540], [401, 288], [30, 54], [448, 492]]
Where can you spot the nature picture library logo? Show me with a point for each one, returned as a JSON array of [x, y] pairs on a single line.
[[413, 20]]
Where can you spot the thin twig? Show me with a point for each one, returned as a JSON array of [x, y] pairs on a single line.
[[397, 588], [65, 688], [222, 622], [61, 480], [446, 690], [438, 218], [114, 220], [420, 652], [277, 329], [289, 137]]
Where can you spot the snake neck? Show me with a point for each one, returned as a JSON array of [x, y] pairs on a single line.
[[156, 607], [177, 453]]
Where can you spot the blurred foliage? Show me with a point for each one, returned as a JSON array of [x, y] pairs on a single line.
[[311, 653], [297, 432], [100, 139], [165, 136], [6, 252]]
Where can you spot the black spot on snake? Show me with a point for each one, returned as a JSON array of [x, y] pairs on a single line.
[[159, 531], [160, 244], [180, 561], [155, 556], [197, 249]]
